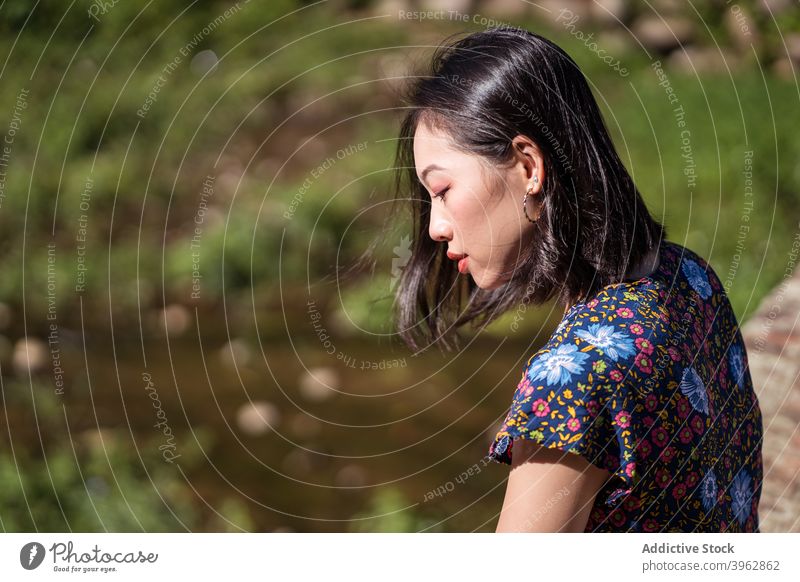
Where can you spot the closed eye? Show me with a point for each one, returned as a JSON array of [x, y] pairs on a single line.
[[441, 193]]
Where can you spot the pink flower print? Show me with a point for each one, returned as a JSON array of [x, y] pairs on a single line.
[[679, 491], [667, 454], [630, 469], [645, 448], [651, 402], [636, 329], [650, 525], [684, 407], [525, 387], [541, 407], [625, 312], [593, 407], [674, 354], [615, 375], [698, 424], [692, 479], [663, 478], [623, 419], [631, 503], [660, 437], [617, 518], [643, 362], [593, 303], [686, 435], [573, 424], [644, 344]]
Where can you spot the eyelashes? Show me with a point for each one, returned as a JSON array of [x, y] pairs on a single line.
[[441, 193]]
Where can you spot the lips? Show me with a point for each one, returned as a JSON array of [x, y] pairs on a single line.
[[454, 256], [462, 261]]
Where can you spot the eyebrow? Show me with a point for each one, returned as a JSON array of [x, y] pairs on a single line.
[[430, 168]]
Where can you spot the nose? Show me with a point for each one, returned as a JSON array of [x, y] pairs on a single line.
[[440, 228]]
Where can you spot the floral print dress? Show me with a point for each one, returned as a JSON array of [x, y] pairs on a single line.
[[649, 380]]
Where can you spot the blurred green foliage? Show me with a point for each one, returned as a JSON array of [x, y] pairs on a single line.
[[289, 90], [246, 123]]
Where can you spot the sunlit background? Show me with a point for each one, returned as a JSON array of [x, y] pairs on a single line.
[[197, 277]]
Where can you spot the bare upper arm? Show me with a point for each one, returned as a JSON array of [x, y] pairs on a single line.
[[548, 490]]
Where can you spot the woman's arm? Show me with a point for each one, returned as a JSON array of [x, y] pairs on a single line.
[[548, 490]]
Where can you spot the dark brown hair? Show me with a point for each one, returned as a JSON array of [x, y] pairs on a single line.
[[484, 90]]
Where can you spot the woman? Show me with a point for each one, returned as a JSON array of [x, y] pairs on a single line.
[[639, 413]]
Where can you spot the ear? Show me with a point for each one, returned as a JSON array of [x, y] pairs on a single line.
[[531, 161]]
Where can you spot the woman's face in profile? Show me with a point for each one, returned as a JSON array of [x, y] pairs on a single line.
[[480, 214]]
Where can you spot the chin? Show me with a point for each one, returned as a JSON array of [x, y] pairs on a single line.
[[487, 283]]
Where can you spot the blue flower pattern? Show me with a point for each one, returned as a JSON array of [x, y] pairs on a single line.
[[633, 379], [558, 366], [741, 495], [694, 389], [615, 344], [697, 278], [736, 362], [709, 490]]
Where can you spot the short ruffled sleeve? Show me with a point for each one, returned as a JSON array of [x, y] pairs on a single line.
[[572, 396]]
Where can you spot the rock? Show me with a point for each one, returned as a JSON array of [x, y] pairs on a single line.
[[174, 319], [665, 7], [463, 6], [319, 384], [663, 35], [783, 68], [504, 8], [609, 12], [616, 42], [793, 46], [228, 183], [203, 62], [351, 476], [695, 60], [258, 417], [741, 28], [774, 7], [235, 353], [30, 355], [390, 6], [393, 69], [556, 12]]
